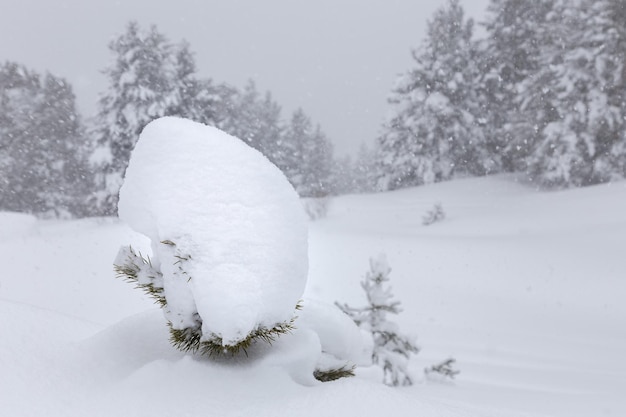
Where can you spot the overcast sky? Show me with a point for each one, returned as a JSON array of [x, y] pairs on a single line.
[[337, 59]]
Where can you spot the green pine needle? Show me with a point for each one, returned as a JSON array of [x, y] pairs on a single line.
[[187, 339], [215, 346], [334, 374], [129, 272], [190, 339]]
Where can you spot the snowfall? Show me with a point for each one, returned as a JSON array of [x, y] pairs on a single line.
[[524, 287]]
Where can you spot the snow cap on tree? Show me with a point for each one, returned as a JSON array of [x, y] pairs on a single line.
[[228, 232]]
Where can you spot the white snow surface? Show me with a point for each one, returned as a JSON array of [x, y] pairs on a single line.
[[524, 288], [15, 224], [232, 213]]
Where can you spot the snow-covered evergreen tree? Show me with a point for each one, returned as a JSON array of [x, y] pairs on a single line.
[[355, 175], [582, 80], [511, 56], [391, 348], [140, 90], [150, 78], [256, 121], [306, 157], [435, 130], [198, 99], [43, 151], [364, 171], [228, 234]]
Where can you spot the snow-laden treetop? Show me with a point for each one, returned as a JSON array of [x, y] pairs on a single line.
[[228, 231]]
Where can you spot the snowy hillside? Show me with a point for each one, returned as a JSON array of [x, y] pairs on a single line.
[[524, 288]]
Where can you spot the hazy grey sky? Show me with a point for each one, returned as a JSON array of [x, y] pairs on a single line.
[[337, 59]]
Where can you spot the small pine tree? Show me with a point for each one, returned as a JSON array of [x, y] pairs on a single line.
[[444, 369], [392, 349], [436, 214]]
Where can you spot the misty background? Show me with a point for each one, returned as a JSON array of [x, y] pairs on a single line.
[[336, 60], [349, 98]]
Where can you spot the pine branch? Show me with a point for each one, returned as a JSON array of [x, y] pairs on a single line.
[[215, 346], [190, 339], [187, 339], [135, 264], [334, 374], [443, 368], [134, 268], [395, 342]]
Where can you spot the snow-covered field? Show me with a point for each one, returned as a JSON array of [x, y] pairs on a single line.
[[524, 288]]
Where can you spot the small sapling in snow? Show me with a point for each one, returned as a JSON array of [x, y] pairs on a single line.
[[436, 214], [443, 370], [392, 349]]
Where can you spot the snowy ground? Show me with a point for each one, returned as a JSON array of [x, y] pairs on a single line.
[[524, 288]]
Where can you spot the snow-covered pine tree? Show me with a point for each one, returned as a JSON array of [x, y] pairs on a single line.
[[343, 175], [307, 157], [434, 215], [391, 349], [582, 143], [195, 192], [356, 175], [510, 56], [197, 99], [20, 90], [43, 167], [140, 90], [435, 132], [364, 170], [150, 78], [270, 128], [69, 179], [256, 121]]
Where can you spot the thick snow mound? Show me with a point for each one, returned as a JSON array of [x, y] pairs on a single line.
[[235, 233], [339, 335]]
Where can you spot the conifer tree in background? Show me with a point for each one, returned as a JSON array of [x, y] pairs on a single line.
[[356, 175], [140, 90], [435, 132], [582, 69], [256, 121], [392, 349], [364, 177], [343, 175], [301, 151], [198, 99], [150, 78], [543, 94], [511, 56], [43, 163], [270, 129], [306, 157]]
